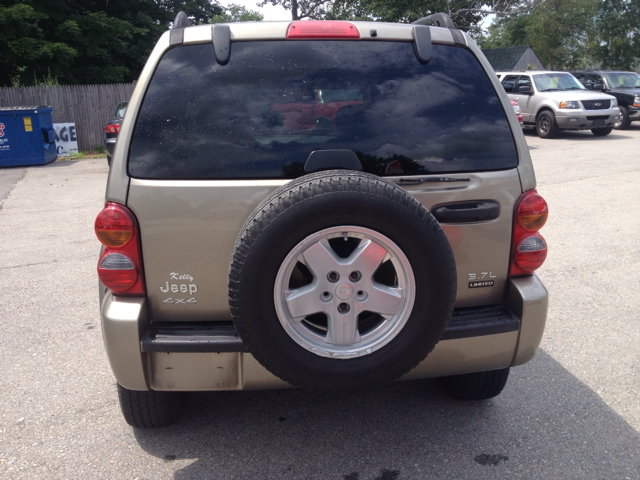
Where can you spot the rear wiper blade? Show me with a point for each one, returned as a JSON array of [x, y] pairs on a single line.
[[420, 181]]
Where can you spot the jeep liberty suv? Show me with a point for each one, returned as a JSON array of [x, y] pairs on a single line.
[[319, 204]]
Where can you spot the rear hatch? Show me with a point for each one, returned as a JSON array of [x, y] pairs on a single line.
[[211, 141]]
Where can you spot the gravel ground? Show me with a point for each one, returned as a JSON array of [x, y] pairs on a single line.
[[573, 412]]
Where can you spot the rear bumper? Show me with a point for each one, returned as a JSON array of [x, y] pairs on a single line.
[[193, 357], [110, 144]]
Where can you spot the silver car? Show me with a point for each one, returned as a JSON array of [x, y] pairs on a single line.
[[341, 206], [551, 101]]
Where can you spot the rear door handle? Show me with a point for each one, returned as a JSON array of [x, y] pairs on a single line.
[[467, 212]]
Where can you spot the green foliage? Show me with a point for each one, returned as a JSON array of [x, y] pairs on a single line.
[[48, 80], [570, 34], [465, 13], [508, 31], [559, 32], [85, 41], [617, 45], [237, 13]]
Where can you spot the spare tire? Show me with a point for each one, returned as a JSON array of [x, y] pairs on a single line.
[[340, 280]]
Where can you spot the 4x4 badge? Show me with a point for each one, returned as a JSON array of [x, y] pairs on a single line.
[[180, 300]]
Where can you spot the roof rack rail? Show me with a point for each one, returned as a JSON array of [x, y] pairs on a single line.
[[181, 20], [437, 20]]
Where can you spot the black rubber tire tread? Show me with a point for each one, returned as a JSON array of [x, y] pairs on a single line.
[[476, 386], [553, 128], [248, 316], [601, 132], [151, 409], [626, 122]]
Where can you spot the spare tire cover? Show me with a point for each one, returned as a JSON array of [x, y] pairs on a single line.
[[341, 280]]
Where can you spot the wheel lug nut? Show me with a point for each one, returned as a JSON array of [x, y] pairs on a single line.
[[355, 276], [333, 277], [343, 307]]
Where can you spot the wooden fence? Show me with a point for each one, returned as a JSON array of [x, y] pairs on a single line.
[[88, 106]]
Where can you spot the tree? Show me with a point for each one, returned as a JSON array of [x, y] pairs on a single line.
[[465, 13], [508, 31], [85, 41], [237, 13], [568, 34], [559, 31], [617, 43]]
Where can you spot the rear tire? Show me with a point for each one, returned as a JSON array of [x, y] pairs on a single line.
[[476, 386], [546, 125], [351, 331], [150, 409], [601, 132]]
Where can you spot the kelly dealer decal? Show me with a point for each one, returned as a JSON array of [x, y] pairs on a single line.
[[181, 287]]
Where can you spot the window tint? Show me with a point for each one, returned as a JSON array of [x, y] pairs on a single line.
[[623, 80], [122, 107], [589, 79], [509, 83], [525, 82], [262, 114], [554, 82]]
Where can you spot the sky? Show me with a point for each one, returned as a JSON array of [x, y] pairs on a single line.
[[270, 12]]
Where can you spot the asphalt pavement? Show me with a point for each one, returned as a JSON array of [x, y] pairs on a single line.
[[573, 412]]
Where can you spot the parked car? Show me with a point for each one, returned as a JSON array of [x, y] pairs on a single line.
[[112, 128], [308, 108], [518, 112], [625, 86], [551, 101], [242, 253]]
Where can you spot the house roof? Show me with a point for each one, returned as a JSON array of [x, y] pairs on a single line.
[[505, 59]]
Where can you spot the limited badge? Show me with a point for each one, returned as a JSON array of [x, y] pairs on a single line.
[[483, 283]]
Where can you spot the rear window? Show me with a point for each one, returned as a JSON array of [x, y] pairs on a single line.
[[262, 114]]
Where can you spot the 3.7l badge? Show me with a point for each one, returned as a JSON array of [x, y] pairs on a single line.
[[482, 279]]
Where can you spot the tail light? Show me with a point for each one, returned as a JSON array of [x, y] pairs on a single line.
[[528, 248], [120, 266], [112, 128], [312, 29]]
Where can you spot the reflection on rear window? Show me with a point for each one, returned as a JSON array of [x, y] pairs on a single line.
[[262, 114]]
